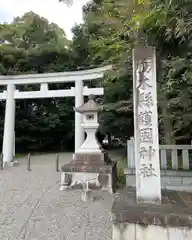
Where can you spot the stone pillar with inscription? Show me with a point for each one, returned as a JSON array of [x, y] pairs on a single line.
[[146, 133], [143, 213], [91, 165]]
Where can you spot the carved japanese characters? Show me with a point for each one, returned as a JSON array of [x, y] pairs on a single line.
[[146, 124]]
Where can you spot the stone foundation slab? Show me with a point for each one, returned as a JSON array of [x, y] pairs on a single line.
[[151, 232], [172, 220]]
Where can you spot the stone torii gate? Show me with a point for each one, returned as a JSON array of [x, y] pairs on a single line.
[[44, 79]]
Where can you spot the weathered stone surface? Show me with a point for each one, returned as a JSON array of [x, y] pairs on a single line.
[[92, 157], [150, 232], [74, 166], [102, 176], [175, 210], [33, 208]]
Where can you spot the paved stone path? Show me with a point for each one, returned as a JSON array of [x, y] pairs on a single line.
[[33, 208]]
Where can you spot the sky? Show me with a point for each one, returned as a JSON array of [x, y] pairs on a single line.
[[56, 12]]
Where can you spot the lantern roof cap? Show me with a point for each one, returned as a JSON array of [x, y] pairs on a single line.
[[89, 106]]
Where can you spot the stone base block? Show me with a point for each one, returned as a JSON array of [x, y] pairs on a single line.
[[102, 177], [10, 164], [92, 158], [169, 221], [150, 232]]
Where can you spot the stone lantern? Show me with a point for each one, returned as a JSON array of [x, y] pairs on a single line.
[[90, 125], [91, 165]]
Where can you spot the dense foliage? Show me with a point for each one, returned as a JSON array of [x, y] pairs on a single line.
[[32, 45], [111, 29]]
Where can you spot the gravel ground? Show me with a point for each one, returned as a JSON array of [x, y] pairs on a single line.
[[33, 208]]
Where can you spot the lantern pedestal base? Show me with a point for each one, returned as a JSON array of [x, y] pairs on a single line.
[[96, 176]]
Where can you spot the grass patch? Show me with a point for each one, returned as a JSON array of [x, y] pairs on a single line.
[[121, 165], [20, 155], [180, 163]]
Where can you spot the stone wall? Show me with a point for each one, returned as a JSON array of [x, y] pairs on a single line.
[[126, 231], [170, 220], [170, 179]]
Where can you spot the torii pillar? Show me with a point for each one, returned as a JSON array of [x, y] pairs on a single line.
[[9, 125], [79, 100]]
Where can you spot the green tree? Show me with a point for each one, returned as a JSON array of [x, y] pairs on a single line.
[[113, 28], [33, 32], [38, 47]]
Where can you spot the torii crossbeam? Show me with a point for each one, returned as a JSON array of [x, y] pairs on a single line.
[[44, 79]]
